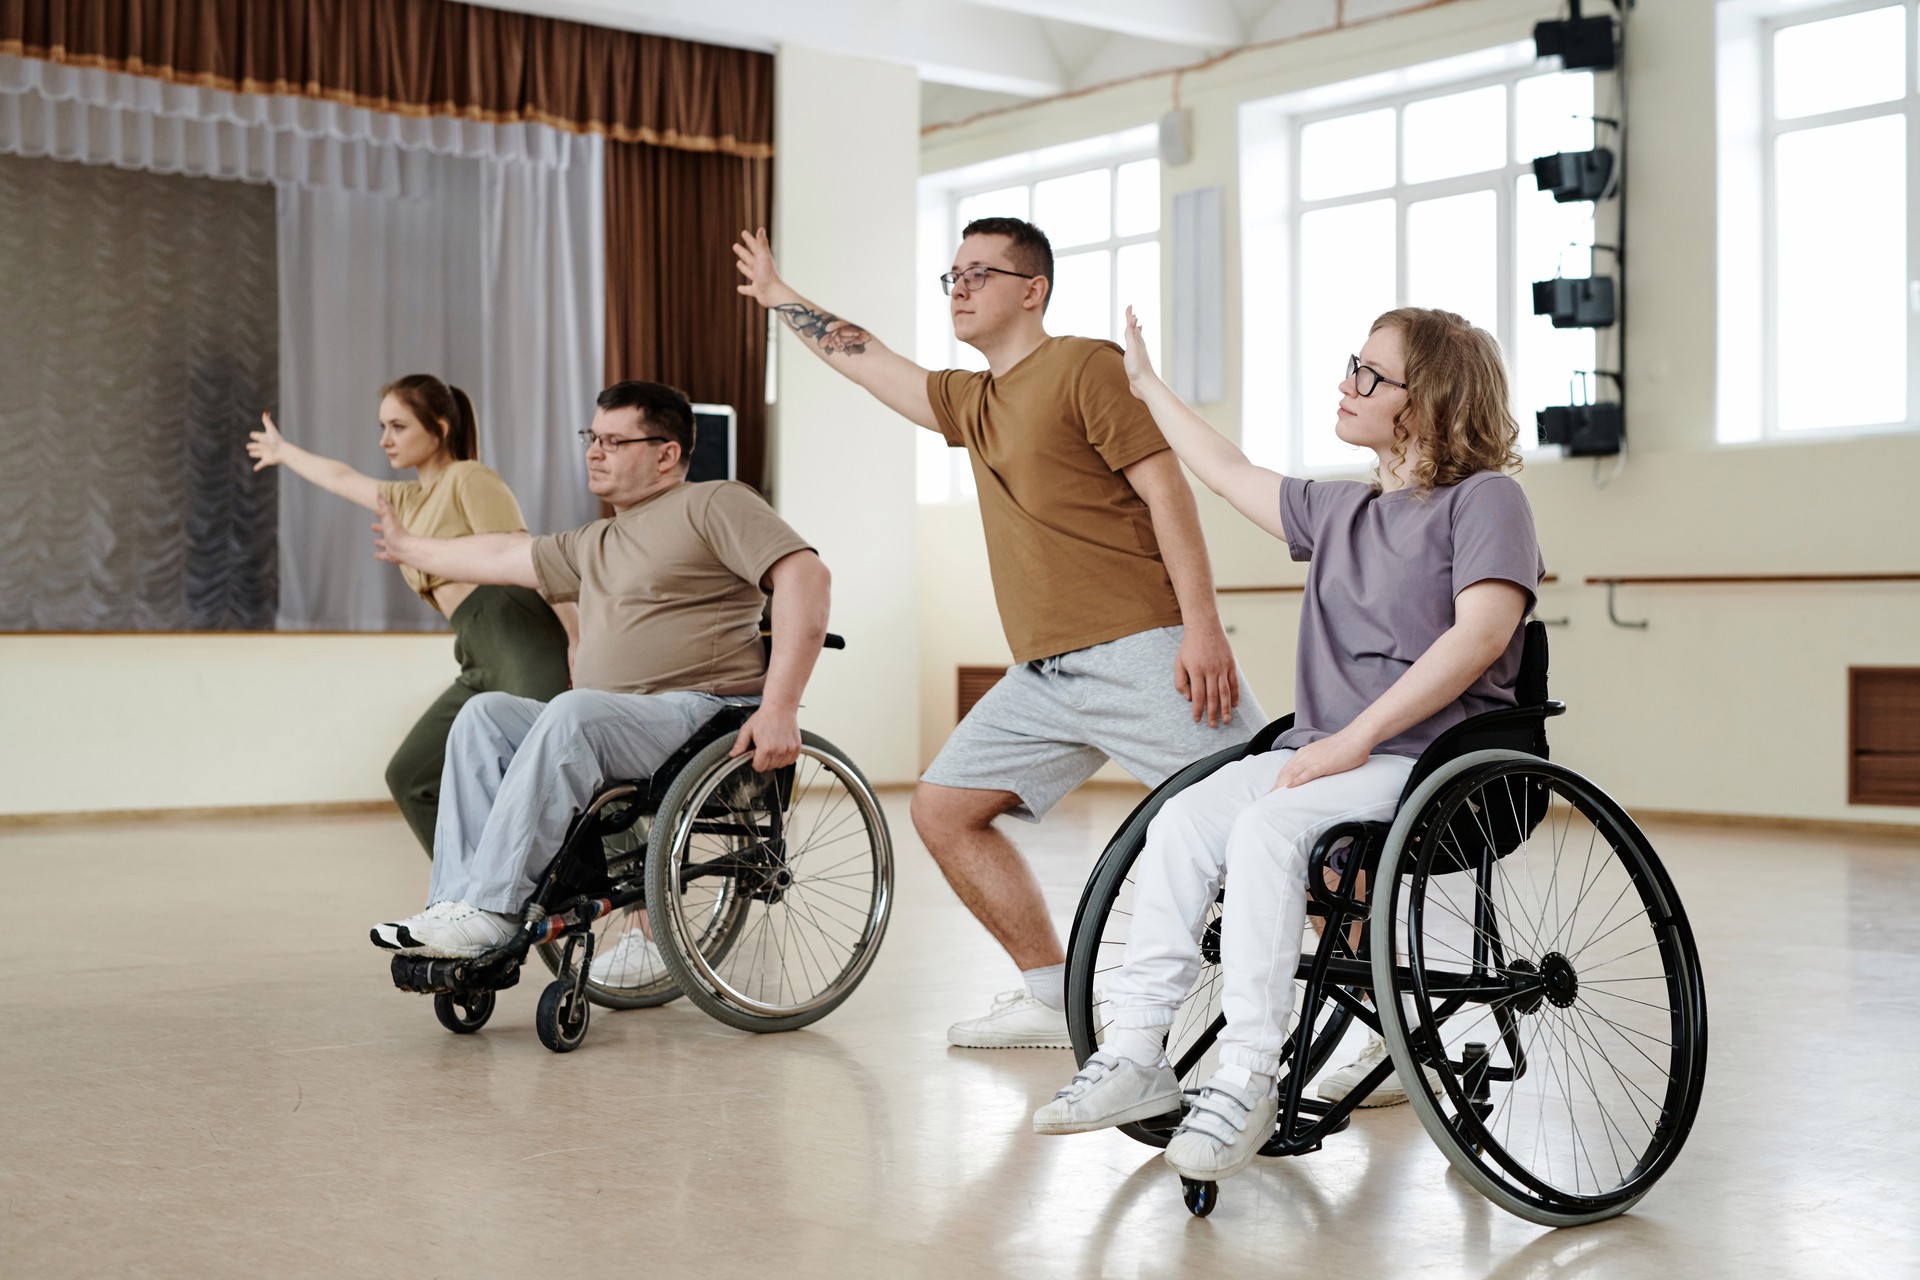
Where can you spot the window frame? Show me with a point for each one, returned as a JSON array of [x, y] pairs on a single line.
[[1018, 173], [1770, 131], [1502, 181]]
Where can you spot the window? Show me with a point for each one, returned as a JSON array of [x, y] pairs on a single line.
[[1421, 198], [1839, 114], [1099, 204]]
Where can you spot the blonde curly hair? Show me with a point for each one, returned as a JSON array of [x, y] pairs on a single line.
[[1458, 417]]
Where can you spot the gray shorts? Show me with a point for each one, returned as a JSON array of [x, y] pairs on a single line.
[[1048, 725]]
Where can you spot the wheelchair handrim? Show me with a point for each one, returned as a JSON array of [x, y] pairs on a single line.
[[864, 949]]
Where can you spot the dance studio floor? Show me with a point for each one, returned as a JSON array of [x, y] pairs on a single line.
[[204, 1071]]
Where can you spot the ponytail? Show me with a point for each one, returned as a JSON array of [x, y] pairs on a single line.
[[463, 429], [435, 402]]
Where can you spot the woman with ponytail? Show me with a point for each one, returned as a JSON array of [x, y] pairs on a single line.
[[505, 638]]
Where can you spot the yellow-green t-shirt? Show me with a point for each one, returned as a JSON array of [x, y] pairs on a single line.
[[1070, 545], [669, 590], [467, 498]]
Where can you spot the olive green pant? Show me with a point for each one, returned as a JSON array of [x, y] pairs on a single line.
[[506, 640]]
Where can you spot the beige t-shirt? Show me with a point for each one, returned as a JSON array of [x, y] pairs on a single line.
[[1071, 546], [467, 498], [669, 590]]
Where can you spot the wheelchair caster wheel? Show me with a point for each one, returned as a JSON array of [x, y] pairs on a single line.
[[561, 1018], [465, 1014], [1201, 1197]]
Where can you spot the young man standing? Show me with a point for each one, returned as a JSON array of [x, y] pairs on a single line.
[[1099, 569]]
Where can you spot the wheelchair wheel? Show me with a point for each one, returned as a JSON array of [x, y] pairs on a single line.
[[1097, 950], [1544, 971], [463, 1014], [769, 893], [560, 1020]]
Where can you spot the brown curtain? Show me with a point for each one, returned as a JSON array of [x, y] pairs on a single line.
[[420, 57], [673, 314]]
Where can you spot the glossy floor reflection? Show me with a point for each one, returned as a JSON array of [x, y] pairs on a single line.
[[205, 1072]]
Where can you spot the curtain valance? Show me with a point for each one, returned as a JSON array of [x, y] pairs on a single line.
[[421, 58]]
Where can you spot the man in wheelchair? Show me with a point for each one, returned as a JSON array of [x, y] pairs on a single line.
[[1412, 621], [671, 590]]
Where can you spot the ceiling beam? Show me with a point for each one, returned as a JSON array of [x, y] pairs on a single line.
[[946, 42], [1201, 24]]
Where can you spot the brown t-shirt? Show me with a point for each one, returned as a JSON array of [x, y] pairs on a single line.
[[467, 498], [1071, 546], [669, 590]]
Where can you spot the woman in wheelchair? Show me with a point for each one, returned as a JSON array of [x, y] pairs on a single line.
[[1412, 621]]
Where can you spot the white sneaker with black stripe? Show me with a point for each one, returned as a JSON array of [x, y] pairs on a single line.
[[447, 931]]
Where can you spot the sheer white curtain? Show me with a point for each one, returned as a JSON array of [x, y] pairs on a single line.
[[475, 252]]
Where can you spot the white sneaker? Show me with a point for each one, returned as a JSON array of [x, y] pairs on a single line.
[[447, 930], [634, 961], [1110, 1090], [1223, 1131], [1018, 1021], [1388, 1093]]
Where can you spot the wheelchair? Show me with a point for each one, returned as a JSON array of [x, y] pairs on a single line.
[[766, 894], [1512, 937]]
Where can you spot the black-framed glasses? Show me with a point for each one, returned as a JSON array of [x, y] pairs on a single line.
[[611, 444], [1367, 385], [975, 277]]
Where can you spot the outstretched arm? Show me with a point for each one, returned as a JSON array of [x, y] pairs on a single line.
[[802, 589], [500, 559], [1203, 672], [1485, 615], [1254, 491], [269, 449], [894, 380]]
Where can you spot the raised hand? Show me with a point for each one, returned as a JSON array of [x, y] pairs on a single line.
[[754, 258], [390, 535], [1138, 363], [264, 445]]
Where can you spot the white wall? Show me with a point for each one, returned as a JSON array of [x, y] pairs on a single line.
[[183, 721], [843, 466], [1733, 701]]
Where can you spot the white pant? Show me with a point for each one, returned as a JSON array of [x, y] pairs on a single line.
[[1233, 825]]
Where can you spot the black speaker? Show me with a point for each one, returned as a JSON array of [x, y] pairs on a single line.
[[1580, 303], [1574, 175], [1577, 42], [715, 427], [1586, 430]]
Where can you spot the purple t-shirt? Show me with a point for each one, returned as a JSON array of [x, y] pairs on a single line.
[[1385, 570]]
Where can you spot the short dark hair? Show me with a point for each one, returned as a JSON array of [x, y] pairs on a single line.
[[1031, 251], [662, 408]]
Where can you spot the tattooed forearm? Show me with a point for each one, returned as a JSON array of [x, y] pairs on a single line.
[[829, 332]]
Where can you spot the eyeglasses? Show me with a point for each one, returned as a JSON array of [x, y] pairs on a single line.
[[611, 444], [976, 277], [1367, 385]]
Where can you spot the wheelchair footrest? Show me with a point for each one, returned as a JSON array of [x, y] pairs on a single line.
[[431, 976]]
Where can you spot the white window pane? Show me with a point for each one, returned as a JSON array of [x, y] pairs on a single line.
[[1076, 209], [1552, 113], [1453, 257], [1347, 155], [1550, 366], [1008, 202], [1139, 271], [1083, 295], [1346, 282], [1841, 273], [1460, 133], [1137, 208], [1840, 63]]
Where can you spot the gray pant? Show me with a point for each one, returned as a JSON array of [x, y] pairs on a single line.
[[1048, 725], [518, 770]]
